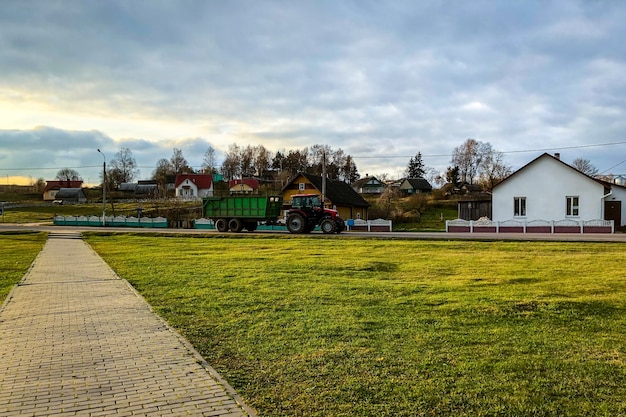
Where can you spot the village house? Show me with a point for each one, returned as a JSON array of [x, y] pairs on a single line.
[[193, 186], [368, 185], [410, 186], [243, 186], [549, 189], [54, 186]]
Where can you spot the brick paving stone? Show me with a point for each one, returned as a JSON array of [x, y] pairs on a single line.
[[75, 339]]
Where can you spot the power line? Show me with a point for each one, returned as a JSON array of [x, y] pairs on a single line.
[[363, 157], [616, 165], [504, 152]]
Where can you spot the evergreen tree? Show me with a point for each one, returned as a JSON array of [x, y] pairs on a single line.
[[416, 167], [453, 176]]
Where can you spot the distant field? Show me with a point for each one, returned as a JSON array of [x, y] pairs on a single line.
[[17, 252], [316, 326]]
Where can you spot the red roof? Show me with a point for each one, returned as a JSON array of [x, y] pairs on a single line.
[[58, 184], [250, 182], [202, 181]]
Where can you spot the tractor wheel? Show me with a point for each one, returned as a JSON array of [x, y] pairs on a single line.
[[221, 225], [250, 226], [328, 226], [295, 223], [235, 225]]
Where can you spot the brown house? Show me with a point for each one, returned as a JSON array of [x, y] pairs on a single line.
[[339, 195], [54, 186]]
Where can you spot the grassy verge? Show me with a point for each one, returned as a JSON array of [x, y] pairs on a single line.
[[17, 253], [343, 327]]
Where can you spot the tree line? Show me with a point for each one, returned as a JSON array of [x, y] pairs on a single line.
[[473, 162]]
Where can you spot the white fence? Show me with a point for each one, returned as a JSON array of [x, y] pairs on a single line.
[[378, 225], [533, 226]]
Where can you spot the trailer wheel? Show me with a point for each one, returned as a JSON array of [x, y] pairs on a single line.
[[250, 226], [328, 226], [295, 223], [235, 225], [221, 225]]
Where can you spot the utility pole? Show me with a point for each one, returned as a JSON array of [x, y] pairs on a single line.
[[104, 188], [324, 179]]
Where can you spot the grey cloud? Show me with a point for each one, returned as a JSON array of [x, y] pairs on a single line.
[[401, 76]]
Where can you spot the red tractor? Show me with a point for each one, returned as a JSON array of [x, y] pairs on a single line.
[[308, 211]]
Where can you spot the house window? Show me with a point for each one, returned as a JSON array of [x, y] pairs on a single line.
[[572, 205], [519, 206], [301, 186]]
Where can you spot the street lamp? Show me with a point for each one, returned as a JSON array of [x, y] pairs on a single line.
[[104, 188]]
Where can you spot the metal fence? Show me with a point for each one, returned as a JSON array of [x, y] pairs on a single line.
[[533, 226], [111, 221]]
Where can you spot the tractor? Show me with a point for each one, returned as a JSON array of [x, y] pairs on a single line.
[[308, 211]]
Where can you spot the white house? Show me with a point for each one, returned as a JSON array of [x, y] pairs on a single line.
[[549, 189], [193, 186]]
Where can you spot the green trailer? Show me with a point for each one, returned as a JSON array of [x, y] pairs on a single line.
[[242, 212]]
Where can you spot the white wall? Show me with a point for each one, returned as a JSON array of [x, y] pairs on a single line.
[[192, 186], [545, 183]]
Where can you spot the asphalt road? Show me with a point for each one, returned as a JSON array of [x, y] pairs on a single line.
[[558, 237]]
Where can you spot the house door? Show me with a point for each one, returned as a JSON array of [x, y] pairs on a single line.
[[613, 211]]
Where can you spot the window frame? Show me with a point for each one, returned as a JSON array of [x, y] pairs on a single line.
[[519, 206], [572, 206]]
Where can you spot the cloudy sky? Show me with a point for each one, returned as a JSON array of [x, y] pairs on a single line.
[[381, 80]]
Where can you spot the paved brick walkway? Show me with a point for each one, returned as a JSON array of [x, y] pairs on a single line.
[[75, 339]]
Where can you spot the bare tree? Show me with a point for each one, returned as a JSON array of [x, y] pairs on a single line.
[[246, 162], [585, 166], [179, 163], [123, 168], [231, 167], [478, 160], [261, 160], [493, 169], [469, 157], [68, 174], [208, 162], [39, 186], [163, 170]]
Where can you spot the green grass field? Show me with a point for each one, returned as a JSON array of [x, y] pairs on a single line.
[[17, 252], [363, 327]]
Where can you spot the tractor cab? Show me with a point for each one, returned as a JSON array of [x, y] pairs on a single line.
[[306, 201]]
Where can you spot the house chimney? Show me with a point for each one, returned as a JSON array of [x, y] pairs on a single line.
[[557, 156]]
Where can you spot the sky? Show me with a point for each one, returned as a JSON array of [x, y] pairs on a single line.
[[382, 80]]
